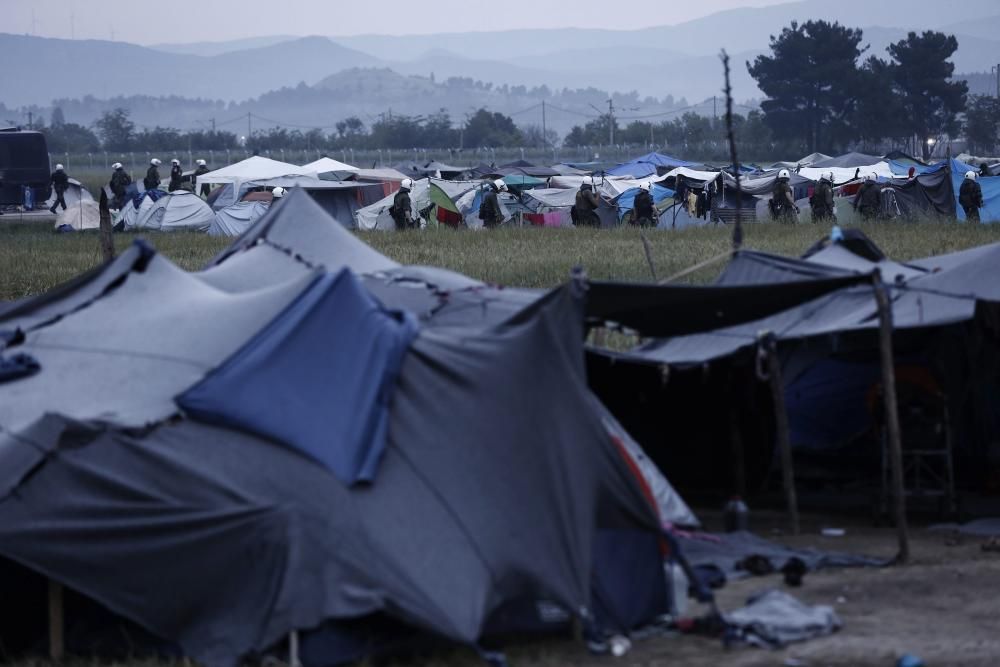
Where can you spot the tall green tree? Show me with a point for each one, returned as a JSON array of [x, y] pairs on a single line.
[[484, 128], [930, 102], [878, 112], [982, 125], [116, 130], [809, 80]]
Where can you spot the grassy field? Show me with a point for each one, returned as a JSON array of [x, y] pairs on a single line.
[[34, 259]]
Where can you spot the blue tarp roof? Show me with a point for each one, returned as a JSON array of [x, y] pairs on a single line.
[[990, 212], [904, 167], [318, 379], [647, 165]]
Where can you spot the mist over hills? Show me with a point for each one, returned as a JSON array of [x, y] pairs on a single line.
[[365, 74]]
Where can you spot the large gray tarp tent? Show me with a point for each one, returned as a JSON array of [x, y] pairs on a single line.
[[152, 514]]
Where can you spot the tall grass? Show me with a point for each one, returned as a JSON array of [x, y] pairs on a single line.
[[33, 259]]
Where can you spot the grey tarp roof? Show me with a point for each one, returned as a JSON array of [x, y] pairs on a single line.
[[848, 160], [157, 525], [238, 218], [919, 299], [300, 226]]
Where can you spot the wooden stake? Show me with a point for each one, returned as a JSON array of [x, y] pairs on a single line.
[[892, 415], [781, 425], [56, 644], [649, 255], [107, 242]]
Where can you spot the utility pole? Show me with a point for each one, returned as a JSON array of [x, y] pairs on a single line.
[[997, 68], [213, 126], [30, 127], [249, 127], [611, 123], [715, 112], [545, 134]]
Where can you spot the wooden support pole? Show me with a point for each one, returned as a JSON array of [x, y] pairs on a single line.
[[781, 426], [892, 415], [56, 644], [107, 241]]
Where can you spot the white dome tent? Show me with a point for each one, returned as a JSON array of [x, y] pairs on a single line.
[[177, 211], [236, 219]]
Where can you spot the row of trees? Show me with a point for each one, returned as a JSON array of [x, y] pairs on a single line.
[[115, 131], [821, 95], [691, 134]]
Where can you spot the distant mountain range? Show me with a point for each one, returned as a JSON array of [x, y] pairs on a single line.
[[677, 61]]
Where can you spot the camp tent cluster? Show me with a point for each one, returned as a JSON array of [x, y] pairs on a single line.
[[296, 401], [685, 193], [307, 438]]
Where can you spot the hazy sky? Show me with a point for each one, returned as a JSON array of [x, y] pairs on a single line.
[[217, 20]]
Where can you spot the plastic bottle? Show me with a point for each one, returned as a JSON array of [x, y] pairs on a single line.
[[737, 515]]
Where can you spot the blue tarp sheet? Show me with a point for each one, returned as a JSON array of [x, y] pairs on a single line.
[[318, 379], [626, 200], [903, 168], [646, 165], [991, 192]]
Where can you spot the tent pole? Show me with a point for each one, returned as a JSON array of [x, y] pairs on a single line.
[[56, 645], [892, 415], [781, 425], [293, 649]]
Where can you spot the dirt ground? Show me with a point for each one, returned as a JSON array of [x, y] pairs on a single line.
[[942, 606]]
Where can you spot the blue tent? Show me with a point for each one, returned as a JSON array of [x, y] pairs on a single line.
[[626, 200], [990, 212], [648, 165]]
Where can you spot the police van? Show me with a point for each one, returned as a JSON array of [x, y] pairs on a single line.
[[24, 161]]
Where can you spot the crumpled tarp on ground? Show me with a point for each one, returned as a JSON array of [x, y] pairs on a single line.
[[773, 619], [724, 551]]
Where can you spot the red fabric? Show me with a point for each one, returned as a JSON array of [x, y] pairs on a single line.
[[447, 217], [643, 486]]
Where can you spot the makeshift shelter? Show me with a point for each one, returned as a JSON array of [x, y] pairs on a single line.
[[991, 192], [549, 207], [175, 211], [255, 168], [525, 168], [847, 161], [376, 216], [338, 198], [238, 218], [425, 539], [941, 309], [651, 164], [329, 168], [807, 161], [389, 179]]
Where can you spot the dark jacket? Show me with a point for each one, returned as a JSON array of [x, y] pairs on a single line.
[[152, 180], [821, 201], [401, 210], [643, 207], [176, 174], [120, 180], [868, 199], [970, 195], [584, 210], [60, 181], [489, 210]]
